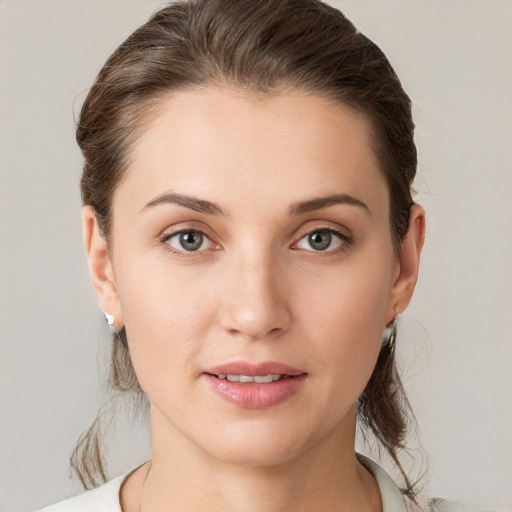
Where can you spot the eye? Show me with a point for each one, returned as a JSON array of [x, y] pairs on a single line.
[[189, 241], [321, 240]]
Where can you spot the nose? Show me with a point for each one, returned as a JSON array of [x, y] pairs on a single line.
[[255, 303]]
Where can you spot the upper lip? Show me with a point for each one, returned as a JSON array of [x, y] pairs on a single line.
[[254, 369]]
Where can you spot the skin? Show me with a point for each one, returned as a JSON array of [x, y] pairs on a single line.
[[257, 290]]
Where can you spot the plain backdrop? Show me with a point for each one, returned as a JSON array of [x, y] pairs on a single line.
[[453, 57]]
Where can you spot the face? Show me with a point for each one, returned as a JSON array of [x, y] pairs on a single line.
[[251, 243]]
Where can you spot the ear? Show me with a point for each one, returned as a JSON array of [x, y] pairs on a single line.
[[100, 266], [410, 250]]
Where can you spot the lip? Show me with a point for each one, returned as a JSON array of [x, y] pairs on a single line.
[[252, 395], [254, 369]]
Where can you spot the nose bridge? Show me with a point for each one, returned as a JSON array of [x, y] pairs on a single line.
[[255, 304]]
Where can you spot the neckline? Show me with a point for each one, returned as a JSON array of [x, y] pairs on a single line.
[[392, 497]]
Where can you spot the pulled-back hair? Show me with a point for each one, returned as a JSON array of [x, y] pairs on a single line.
[[263, 46]]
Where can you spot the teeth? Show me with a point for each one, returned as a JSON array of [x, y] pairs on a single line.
[[258, 379], [265, 379]]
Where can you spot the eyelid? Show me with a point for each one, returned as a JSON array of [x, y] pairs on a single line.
[[186, 226], [321, 225]]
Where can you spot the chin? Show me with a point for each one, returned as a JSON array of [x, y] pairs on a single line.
[[266, 454], [259, 445]]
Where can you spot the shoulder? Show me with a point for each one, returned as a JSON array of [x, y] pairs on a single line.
[[442, 505], [394, 500], [101, 499]]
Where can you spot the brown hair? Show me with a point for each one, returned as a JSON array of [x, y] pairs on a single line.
[[255, 45]]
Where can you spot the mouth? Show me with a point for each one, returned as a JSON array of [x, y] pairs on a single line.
[[255, 386], [252, 379], [254, 373]]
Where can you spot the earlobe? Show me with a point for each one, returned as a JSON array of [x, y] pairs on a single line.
[[410, 251], [100, 266]]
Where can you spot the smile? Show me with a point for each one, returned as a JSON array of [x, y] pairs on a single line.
[[256, 379], [255, 386]]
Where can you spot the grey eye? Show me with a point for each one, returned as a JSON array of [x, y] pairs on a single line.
[[189, 241], [321, 240]]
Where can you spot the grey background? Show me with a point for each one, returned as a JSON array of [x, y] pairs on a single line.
[[456, 338]]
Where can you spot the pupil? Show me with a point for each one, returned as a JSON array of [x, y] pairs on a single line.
[[191, 241], [320, 240]]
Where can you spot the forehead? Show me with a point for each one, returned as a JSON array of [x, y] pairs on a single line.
[[279, 147]]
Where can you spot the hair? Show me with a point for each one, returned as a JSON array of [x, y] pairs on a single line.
[[258, 46]]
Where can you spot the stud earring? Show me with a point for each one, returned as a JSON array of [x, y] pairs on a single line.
[[110, 318]]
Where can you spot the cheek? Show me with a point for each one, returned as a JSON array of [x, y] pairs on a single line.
[[350, 302], [345, 321], [166, 314]]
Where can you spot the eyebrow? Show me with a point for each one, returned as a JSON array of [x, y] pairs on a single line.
[[204, 206], [191, 202], [325, 202]]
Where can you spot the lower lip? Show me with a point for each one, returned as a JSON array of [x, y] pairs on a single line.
[[256, 396]]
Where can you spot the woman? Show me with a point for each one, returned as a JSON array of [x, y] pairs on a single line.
[[252, 239]]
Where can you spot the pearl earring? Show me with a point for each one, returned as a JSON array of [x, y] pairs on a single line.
[[110, 318]]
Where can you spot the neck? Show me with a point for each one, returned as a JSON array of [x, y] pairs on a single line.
[[326, 476]]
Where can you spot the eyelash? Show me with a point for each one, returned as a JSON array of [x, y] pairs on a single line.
[[344, 241]]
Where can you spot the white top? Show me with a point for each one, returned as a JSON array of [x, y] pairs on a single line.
[[106, 497]]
